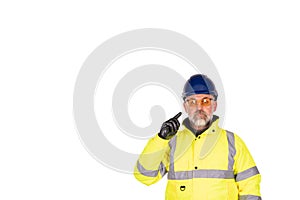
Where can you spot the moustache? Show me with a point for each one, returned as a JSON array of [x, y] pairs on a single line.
[[198, 112]]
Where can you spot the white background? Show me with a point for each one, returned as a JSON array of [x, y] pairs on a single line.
[[254, 45]]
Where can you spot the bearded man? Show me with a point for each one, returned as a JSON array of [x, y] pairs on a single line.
[[202, 160]]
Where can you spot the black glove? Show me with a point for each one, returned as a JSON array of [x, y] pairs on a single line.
[[169, 128]]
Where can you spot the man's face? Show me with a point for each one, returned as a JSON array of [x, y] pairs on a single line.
[[200, 109]]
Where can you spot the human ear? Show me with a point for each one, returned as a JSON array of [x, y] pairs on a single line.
[[215, 106], [185, 107]]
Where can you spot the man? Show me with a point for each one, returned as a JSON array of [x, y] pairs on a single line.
[[203, 161]]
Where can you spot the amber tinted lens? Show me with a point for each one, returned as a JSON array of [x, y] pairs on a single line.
[[206, 102], [191, 102]]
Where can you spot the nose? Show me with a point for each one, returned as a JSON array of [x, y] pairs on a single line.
[[199, 106]]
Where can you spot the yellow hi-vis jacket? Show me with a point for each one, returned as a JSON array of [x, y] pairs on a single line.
[[213, 166]]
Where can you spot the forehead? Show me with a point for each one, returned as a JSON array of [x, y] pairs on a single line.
[[200, 96]]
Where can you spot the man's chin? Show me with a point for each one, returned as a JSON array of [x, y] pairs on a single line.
[[200, 123]]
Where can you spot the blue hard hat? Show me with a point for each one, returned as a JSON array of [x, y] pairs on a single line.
[[199, 84]]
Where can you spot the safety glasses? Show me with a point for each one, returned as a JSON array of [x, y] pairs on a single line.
[[203, 102]]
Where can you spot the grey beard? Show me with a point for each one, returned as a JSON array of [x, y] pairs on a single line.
[[199, 122]]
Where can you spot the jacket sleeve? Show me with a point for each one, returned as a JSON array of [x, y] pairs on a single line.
[[246, 173], [153, 163]]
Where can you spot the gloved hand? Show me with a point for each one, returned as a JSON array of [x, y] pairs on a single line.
[[169, 128]]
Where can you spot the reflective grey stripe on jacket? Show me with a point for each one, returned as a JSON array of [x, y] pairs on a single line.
[[249, 197], [202, 173], [231, 149], [172, 145], [246, 174], [151, 173]]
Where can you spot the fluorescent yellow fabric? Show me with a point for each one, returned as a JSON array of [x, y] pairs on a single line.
[[202, 168]]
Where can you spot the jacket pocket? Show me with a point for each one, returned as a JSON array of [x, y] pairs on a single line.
[[179, 189]]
